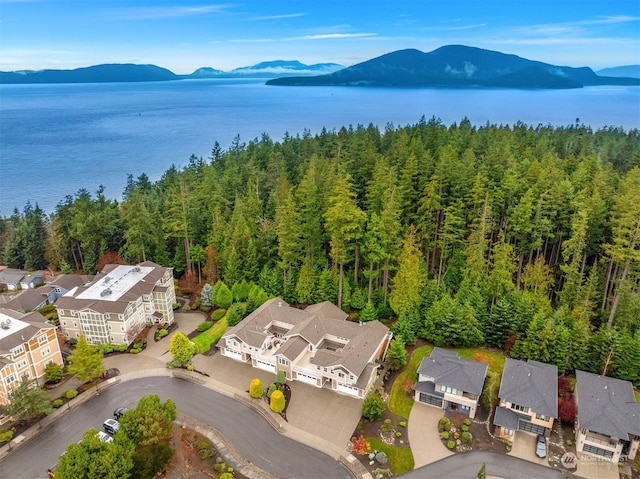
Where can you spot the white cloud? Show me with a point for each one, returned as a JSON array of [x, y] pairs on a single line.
[[155, 13], [332, 36], [278, 17]]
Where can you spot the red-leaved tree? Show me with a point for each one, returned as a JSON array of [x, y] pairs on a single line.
[[360, 445], [567, 408]]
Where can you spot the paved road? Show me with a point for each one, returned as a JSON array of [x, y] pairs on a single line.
[[251, 436], [466, 466]]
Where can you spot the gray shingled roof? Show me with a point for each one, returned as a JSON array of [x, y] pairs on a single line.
[[69, 281], [448, 369], [508, 418], [607, 405], [27, 300], [292, 348], [532, 384]]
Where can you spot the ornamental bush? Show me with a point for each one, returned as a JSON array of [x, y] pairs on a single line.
[[467, 421], [53, 372], [161, 333], [451, 444], [277, 402], [464, 428], [204, 326], [466, 437], [444, 435], [255, 388], [373, 406], [443, 424], [218, 314], [71, 393], [57, 403]]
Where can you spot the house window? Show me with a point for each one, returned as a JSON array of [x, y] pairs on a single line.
[[22, 364], [283, 361], [9, 379], [448, 389], [17, 350], [542, 417], [46, 351], [42, 338], [64, 323], [508, 432], [517, 407], [75, 325], [122, 328], [341, 375]]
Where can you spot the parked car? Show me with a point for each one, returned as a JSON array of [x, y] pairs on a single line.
[[111, 426], [104, 437], [541, 446], [118, 413]]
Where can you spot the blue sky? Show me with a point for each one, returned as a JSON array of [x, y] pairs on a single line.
[[188, 34]]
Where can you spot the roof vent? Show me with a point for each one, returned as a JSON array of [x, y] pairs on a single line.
[[105, 292], [4, 324], [107, 279], [279, 304]]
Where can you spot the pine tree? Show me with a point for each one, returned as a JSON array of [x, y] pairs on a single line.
[[86, 361], [410, 278]]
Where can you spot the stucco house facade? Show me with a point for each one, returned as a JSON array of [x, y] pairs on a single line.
[[317, 345], [608, 419], [115, 307], [27, 344], [448, 381], [528, 398]]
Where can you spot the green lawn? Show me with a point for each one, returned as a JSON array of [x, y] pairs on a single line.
[[400, 458], [637, 393], [399, 403], [211, 336], [494, 359]]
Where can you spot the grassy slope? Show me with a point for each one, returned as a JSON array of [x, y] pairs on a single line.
[[211, 336], [400, 458]]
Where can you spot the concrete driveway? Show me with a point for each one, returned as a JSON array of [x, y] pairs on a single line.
[[524, 447], [591, 467], [424, 437]]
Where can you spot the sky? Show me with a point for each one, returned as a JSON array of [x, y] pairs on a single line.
[[184, 35]]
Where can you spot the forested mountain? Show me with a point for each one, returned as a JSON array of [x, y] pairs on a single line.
[[457, 66], [519, 237], [107, 73]]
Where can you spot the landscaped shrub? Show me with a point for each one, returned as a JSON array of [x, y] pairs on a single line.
[[204, 326], [464, 428], [444, 423], [71, 393], [467, 421], [569, 442], [466, 437], [205, 309], [135, 350], [226, 475], [236, 314], [373, 406], [272, 388], [175, 306], [53, 372], [255, 388], [107, 348], [161, 333], [277, 401], [402, 424], [218, 314], [187, 308], [398, 434], [219, 467], [451, 444], [444, 435], [6, 436], [122, 348], [57, 403], [73, 341], [386, 426]]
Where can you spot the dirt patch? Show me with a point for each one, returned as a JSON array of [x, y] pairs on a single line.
[[194, 457]]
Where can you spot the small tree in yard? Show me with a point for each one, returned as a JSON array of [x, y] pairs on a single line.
[[281, 378], [360, 445], [396, 355], [223, 297], [53, 372], [27, 401], [205, 295], [482, 473], [86, 361], [372, 407], [567, 408], [255, 388], [277, 402], [181, 348]]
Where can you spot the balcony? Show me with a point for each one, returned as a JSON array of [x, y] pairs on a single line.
[[602, 440]]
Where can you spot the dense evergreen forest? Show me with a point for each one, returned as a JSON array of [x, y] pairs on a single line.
[[521, 238]]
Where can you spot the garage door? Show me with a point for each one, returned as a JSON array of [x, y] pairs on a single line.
[[597, 451], [306, 378], [347, 390], [530, 427], [265, 365], [432, 400], [233, 354]]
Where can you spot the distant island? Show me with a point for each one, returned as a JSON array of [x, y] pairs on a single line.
[[111, 73], [457, 66], [452, 66]]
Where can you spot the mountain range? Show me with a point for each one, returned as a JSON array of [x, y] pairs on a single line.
[[457, 66], [140, 73], [449, 66]]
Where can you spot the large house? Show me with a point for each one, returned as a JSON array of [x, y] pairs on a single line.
[[447, 381], [608, 420], [115, 307], [27, 344], [528, 398], [317, 345], [14, 279]]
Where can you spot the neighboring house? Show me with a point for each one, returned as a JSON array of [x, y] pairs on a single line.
[[14, 279], [608, 419], [317, 345], [447, 381], [528, 398], [117, 305], [63, 283], [28, 300], [27, 344]]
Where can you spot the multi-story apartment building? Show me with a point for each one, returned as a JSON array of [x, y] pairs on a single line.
[[115, 307]]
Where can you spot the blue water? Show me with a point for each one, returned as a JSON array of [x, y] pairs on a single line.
[[56, 139]]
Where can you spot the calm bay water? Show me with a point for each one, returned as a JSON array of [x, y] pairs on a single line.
[[56, 139]]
